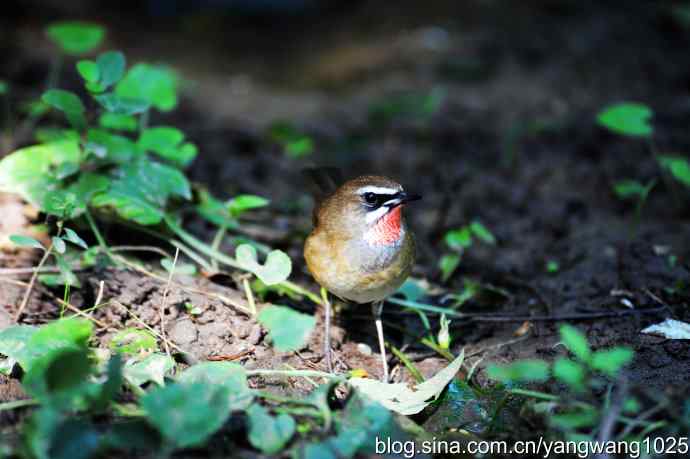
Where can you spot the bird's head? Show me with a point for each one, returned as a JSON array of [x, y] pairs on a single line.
[[369, 207]]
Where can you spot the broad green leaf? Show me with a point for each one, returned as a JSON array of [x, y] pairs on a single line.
[[132, 341], [267, 433], [76, 37], [151, 369], [275, 270], [26, 241], [632, 188], [610, 361], [187, 414], [73, 237], [166, 142], [61, 377], [215, 211], [112, 147], [459, 238], [669, 329], [630, 119], [678, 166], [122, 105], [482, 233], [229, 375], [68, 103], [48, 135], [520, 371], [88, 70], [118, 122], [3, 87], [141, 190], [14, 341], [569, 372], [288, 329], [399, 397], [71, 202], [412, 289], [576, 342], [244, 202], [552, 266], [59, 245], [448, 264], [300, 147], [155, 84], [111, 67]]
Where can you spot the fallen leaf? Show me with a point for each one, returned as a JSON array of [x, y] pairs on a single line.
[[669, 328]]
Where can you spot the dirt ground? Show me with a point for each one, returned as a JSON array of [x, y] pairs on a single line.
[[514, 145]]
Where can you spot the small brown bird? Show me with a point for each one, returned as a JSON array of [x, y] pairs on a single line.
[[360, 248]]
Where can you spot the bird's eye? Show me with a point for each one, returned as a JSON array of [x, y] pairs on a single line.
[[370, 198]]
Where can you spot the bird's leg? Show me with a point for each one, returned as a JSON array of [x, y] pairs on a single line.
[[376, 309], [327, 330]]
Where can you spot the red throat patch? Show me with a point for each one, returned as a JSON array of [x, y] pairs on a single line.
[[387, 228]]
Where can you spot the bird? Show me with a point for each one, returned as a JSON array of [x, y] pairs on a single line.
[[360, 248]]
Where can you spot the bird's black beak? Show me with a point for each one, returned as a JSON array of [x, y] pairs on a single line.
[[401, 197]]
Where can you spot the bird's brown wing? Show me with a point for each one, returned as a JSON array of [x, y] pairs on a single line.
[[322, 183]]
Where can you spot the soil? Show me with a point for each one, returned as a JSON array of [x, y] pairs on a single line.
[[514, 145]]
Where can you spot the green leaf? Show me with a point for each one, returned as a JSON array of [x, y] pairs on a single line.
[[628, 189], [482, 233], [229, 375], [448, 264], [215, 211], [59, 245], [552, 266], [459, 239], [111, 67], [569, 372], [88, 70], [187, 414], [151, 369], [244, 202], [73, 237], [118, 122], [3, 87], [520, 371], [678, 166], [141, 190], [399, 397], [68, 103], [132, 341], [155, 84], [76, 37], [631, 119], [71, 202], [576, 419], [26, 241], [121, 105], [14, 341], [295, 143], [267, 433], [576, 342], [276, 269], [166, 142], [610, 361], [185, 269], [112, 147], [288, 329]]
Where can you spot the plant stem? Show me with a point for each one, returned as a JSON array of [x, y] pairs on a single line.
[[408, 363], [18, 404], [443, 352], [32, 282], [96, 232], [250, 295], [535, 394], [294, 373]]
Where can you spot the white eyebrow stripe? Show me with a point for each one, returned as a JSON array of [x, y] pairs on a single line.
[[377, 190]]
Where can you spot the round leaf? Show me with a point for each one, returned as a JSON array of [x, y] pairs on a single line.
[[630, 119], [288, 329], [88, 70], [76, 37]]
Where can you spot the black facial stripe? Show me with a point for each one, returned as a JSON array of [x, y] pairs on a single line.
[[376, 200]]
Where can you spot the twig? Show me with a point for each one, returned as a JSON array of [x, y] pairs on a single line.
[[250, 295], [140, 248], [18, 404], [99, 297], [32, 282], [164, 303], [148, 327], [609, 420]]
